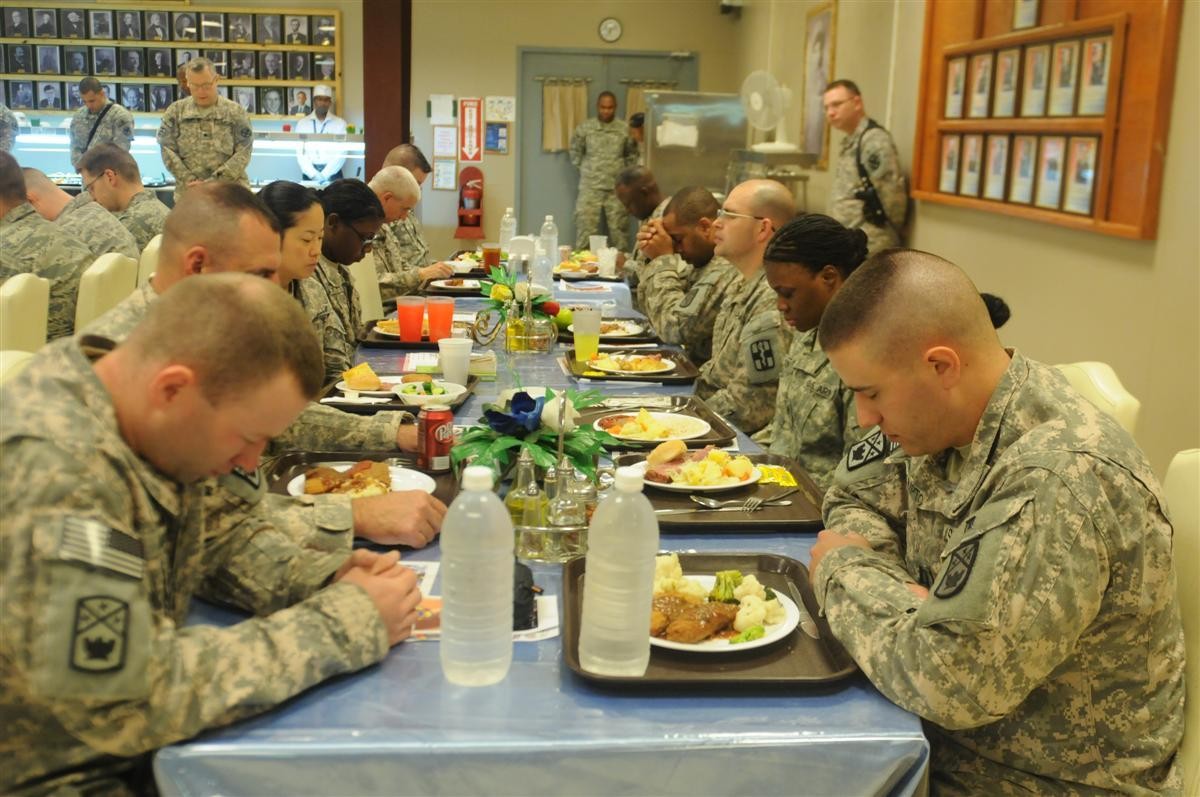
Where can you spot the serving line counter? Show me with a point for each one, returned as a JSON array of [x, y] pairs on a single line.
[[400, 728]]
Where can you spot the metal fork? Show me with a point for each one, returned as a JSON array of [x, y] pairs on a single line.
[[753, 504]]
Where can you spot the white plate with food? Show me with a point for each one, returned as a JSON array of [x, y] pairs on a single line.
[[650, 426], [720, 643], [387, 386], [632, 364], [571, 274], [616, 329], [341, 478], [671, 466], [462, 266], [457, 284], [434, 391]]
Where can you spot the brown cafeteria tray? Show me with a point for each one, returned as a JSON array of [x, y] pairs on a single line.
[[684, 374], [283, 469], [796, 659], [395, 403], [590, 278], [803, 515], [647, 334], [722, 434]]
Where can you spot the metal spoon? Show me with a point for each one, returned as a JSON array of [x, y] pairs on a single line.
[[713, 503]]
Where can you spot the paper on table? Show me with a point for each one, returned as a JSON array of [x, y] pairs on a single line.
[[429, 629], [355, 400]]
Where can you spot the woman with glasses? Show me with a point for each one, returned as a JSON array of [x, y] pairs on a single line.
[[353, 216]]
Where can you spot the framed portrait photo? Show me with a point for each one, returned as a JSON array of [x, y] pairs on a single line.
[[246, 97], [1034, 80], [212, 27], [1004, 98], [100, 23], [50, 96], [820, 28], [295, 29], [1050, 172], [20, 95], [161, 97], [948, 182], [324, 31], [239, 27], [1093, 85], [45, 24], [159, 62], [1064, 73], [157, 29], [16, 26], [1025, 14], [972, 168], [956, 81], [1081, 174], [1020, 188], [74, 99], [270, 102], [184, 27], [220, 59], [75, 59], [995, 172], [49, 61], [300, 101], [270, 65], [104, 61], [297, 68], [72, 24], [241, 65], [133, 96], [20, 58], [129, 25], [268, 28], [183, 56], [324, 68], [131, 62], [981, 85]]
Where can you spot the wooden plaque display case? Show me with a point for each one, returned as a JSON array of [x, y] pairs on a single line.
[[1052, 110], [269, 58]]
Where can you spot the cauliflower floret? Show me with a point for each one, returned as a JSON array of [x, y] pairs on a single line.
[[666, 568], [749, 586], [751, 611], [775, 612]]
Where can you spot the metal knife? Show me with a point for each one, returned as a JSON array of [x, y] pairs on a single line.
[[697, 510], [807, 624]]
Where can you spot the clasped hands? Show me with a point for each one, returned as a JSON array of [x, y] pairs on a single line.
[[653, 240], [390, 586]]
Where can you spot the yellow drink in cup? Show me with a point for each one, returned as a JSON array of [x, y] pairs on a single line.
[[586, 329]]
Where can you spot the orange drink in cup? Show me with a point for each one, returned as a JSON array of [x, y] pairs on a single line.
[[441, 316], [410, 312], [491, 256]]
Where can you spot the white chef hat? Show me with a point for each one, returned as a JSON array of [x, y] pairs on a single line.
[[323, 91]]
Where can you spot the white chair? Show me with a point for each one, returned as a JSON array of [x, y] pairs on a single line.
[[12, 362], [149, 260], [103, 285], [1099, 384], [24, 308], [1182, 488], [366, 282]]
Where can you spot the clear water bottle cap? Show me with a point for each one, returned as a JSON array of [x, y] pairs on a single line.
[[629, 479], [508, 211], [549, 217], [477, 478]]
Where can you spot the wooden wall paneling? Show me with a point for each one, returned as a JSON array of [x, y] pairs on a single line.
[[387, 78]]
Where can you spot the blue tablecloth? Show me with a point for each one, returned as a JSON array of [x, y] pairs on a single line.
[[399, 728]]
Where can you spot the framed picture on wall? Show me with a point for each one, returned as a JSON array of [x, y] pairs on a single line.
[[1064, 73], [45, 24], [16, 25], [820, 33], [158, 62], [133, 96], [20, 58], [212, 27], [50, 96], [295, 29], [270, 66], [1020, 189], [72, 24], [300, 101], [1093, 88], [241, 27], [324, 31], [981, 85], [271, 102], [184, 27], [948, 183], [444, 178], [1037, 69], [161, 97], [131, 62], [242, 65], [1004, 100], [48, 60], [104, 61], [1081, 174], [268, 29], [157, 29], [75, 59], [183, 56], [297, 68], [1050, 172], [1025, 14], [246, 97], [972, 160], [129, 26], [74, 100], [324, 68], [20, 94], [495, 137], [956, 79], [220, 60], [100, 23], [996, 171]]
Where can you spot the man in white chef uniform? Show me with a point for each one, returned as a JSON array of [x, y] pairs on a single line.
[[321, 161]]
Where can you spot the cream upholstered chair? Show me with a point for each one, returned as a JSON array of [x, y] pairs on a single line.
[[366, 282], [11, 362], [149, 260], [1182, 487], [1099, 384], [103, 285], [24, 308]]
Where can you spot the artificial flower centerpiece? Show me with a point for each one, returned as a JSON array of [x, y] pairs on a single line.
[[533, 424], [526, 315]]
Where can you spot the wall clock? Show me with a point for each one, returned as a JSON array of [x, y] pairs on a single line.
[[610, 29]]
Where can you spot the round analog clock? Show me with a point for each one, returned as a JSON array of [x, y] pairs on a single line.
[[610, 29]]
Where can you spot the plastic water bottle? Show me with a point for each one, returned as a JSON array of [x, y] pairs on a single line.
[[477, 584], [618, 582], [508, 228], [549, 238], [543, 268]]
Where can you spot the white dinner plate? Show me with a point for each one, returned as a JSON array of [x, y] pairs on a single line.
[[685, 427], [467, 284], [402, 479], [391, 391], [667, 365], [755, 475], [621, 329], [773, 634], [570, 274], [386, 333]]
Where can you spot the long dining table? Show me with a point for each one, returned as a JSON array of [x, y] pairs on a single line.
[[400, 728]]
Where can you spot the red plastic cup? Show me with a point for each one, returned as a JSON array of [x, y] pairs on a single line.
[[441, 316], [410, 312]]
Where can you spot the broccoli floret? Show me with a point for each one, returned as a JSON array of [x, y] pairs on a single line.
[[727, 581], [770, 593], [749, 635]]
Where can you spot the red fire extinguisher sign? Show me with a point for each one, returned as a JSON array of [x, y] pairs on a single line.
[[470, 129]]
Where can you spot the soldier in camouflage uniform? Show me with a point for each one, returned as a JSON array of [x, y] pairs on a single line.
[[8, 129], [404, 238], [638, 192], [399, 192], [871, 146], [113, 179], [600, 149], [80, 216], [806, 263], [205, 136], [109, 538], [1008, 577], [31, 245], [749, 340], [682, 287], [99, 121]]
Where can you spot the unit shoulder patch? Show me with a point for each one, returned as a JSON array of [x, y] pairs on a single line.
[[100, 634], [958, 570], [871, 448]]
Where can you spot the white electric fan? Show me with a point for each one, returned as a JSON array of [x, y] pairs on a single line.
[[765, 102]]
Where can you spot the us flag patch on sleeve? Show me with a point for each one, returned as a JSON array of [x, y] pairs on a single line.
[[95, 544]]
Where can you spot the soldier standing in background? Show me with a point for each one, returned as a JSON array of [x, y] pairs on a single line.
[[99, 121], [205, 136], [869, 189], [600, 149]]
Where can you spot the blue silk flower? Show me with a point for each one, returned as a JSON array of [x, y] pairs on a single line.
[[524, 415]]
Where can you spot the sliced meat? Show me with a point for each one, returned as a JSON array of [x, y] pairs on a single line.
[[697, 623]]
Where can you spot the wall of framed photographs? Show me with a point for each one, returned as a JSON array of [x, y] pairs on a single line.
[[268, 62], [1022, 100]]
